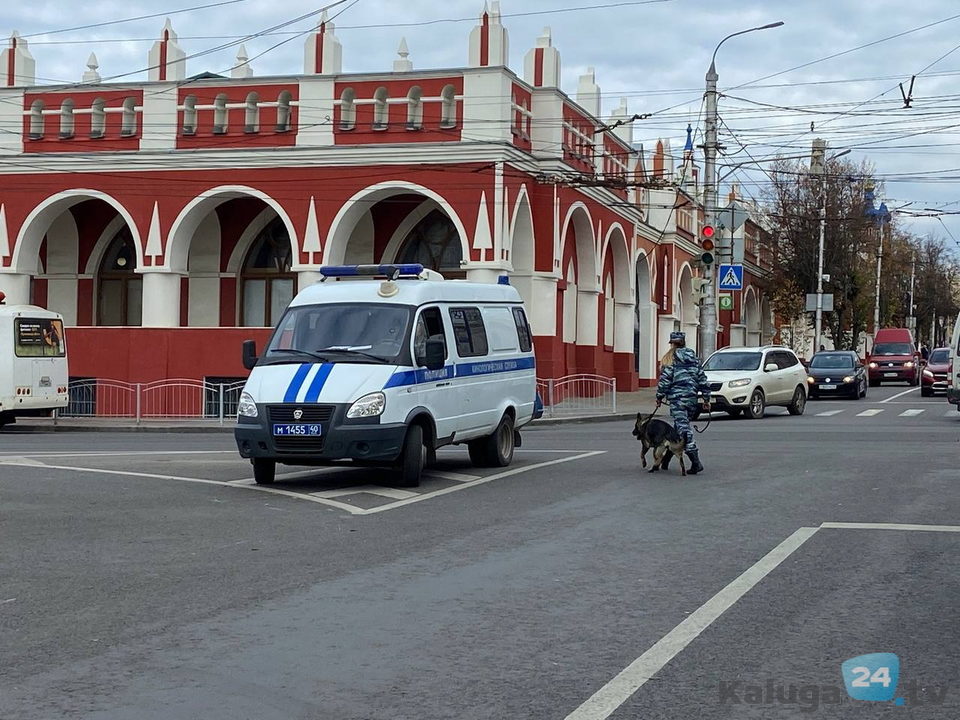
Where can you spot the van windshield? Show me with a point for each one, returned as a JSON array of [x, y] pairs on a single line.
[[733, 361], [893, 349], [367, 333]]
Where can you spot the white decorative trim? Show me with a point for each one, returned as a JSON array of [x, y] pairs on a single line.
[[405, 227]]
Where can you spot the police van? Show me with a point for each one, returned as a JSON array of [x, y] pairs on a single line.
[[33, 362], [382, 365]]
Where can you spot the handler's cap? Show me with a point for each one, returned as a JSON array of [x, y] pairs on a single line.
[[678, 337]]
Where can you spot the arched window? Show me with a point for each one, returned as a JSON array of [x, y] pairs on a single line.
[[220, 115], [190, 115], [608, 308], [266, 283], [283, 111], [448, 112], [66, 119], [98, 118], [251, 121], [570, 306], [36, 120], [119, 288], [414, 108], [348, 111], [129, 126], [381, 111], [433, 243]]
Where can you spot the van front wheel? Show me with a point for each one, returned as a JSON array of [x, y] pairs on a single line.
[[495, 450], [413, 458], [264, 471]]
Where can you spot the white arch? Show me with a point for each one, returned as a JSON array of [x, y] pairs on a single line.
[[585, 246], [349, 215], [644, 282], [37, 223], [622, 275], [527, 241], [688, 314], [751, 311], [100, 247], [185, 226]]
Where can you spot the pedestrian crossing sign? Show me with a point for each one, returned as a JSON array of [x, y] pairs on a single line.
[[731, 277]]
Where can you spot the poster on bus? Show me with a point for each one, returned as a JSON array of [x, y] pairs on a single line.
[[40, 337]]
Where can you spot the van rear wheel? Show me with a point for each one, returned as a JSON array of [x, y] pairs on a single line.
[[264, 471], [495, 450]]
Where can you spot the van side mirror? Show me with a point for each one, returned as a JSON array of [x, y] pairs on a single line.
[[250, 354], [435, 354], [771, 367]]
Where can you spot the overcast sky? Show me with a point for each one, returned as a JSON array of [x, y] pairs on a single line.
[[654, 53]]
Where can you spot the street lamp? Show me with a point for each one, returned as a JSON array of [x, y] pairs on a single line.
[[708, 307], [818, 327]]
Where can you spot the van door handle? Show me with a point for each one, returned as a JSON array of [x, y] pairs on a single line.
[[444, 384]]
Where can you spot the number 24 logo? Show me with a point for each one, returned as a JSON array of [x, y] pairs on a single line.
[[872, 677], [866, 679]]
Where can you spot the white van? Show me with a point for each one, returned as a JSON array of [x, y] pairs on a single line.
[[33, 362], [386, 371], [953, 385]]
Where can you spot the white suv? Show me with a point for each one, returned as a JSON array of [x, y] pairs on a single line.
[[746, 380]]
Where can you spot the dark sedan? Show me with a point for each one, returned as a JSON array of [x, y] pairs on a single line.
[[837, 373]]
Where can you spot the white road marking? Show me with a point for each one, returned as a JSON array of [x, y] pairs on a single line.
[[123, 453], [126, 473], [21, 460], [899, 395], [889, 526], [479, 481], [829, 413], [387, 492], [912, 413], [952, 414], [870, 413], [611, 696], [446, 475]]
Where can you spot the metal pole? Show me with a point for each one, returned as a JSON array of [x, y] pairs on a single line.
[[912, 323], [708, 306], [823, 231], [221, 403], [138, 403], [876, 306]]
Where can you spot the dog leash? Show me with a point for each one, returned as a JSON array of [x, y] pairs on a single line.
[[697, 429]]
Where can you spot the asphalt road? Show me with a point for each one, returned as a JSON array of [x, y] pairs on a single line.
[[145, 576]]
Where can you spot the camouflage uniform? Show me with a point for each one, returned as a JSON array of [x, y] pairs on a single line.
[[681, 384]]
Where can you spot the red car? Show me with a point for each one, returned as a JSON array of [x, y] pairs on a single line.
[[936, 375], [894, 358]]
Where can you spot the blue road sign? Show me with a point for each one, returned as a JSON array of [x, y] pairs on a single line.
[[731, 277]]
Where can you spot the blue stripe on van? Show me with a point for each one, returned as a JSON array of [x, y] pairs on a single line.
[[487, 367], [294, 388], [319, 380], [490, 367]]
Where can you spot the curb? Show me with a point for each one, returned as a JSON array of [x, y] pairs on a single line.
[[585, 419], [191, 429]]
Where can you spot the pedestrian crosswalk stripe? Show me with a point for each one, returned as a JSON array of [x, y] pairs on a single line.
[[870, 413], [911, 413], [952, 414], [829, 413]]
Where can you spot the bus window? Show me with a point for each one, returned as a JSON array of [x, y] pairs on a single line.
[[39, 337]]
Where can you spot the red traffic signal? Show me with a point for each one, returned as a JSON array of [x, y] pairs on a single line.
[[707, 231]]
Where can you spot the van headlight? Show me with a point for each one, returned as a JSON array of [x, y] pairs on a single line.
[[849, 379], [742, 382], [247, 407], [908, 365], [371, 405]]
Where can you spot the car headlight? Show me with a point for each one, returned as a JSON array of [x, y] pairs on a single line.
[[873, 365], [849, 379], [247, 407], [742, 382], [908, 364], [371, 405], [928, 373], [811, 380]]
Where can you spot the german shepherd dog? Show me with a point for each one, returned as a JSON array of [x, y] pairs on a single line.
[[662, 438]]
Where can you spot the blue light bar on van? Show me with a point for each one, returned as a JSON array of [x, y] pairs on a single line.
[[390, 271]]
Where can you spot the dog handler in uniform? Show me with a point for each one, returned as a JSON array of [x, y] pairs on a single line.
[[684, 385]]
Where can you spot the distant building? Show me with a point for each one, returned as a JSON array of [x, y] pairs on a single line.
[[168, 220]]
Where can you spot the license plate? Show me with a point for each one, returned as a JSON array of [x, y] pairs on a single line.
[[828, 387], [889, 374], [302, 430]]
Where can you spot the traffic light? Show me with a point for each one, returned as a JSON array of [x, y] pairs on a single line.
[[707, 244]]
